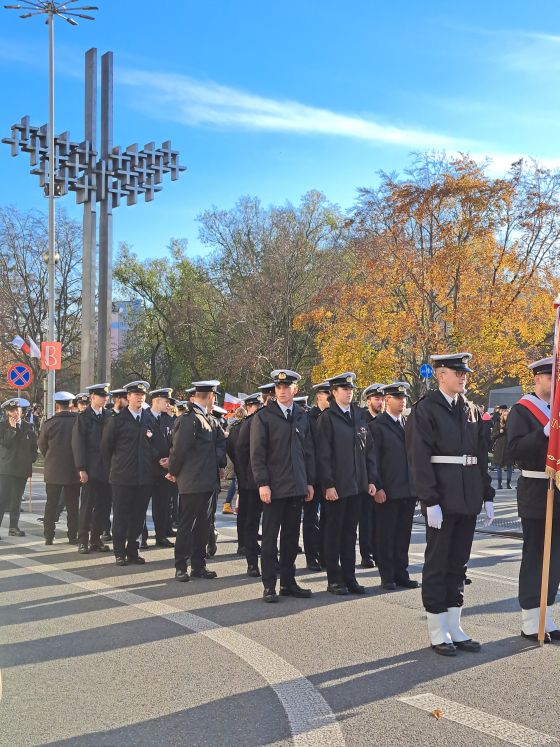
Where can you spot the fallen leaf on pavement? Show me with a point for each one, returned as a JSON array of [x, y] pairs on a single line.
[[437, 713]]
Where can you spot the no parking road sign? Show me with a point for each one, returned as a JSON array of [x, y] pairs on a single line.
[[20, 376]]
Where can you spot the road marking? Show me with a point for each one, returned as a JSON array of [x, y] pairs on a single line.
[[311, 720], [480, 721]]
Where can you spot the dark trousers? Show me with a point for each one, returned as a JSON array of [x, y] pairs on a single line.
[[11, 492], [341, 517], [367, 527], [129, 511], [71, 495], [241, 517], [211, 539], [281, 515], [173, 509], [311, 529], [445, 562], [393, 526], [530, 572], [192, 533], [161, 506], [95, 507], [253, 511]]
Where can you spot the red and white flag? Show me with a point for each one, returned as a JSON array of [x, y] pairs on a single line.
[[553, 453], [19, 343], [231, 402], [31, 349]]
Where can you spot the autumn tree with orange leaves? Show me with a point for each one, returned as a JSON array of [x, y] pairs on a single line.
[[446, 258]]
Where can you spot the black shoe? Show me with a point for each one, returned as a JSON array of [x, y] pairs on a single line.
[[107, 537], [314, 566], [338, 589], [49, 541], [508, 486], [136, 560], [182, 575], [367, 563], [270, 595], [121, 560], [211, 551], [355, 588], [554, 635], [144, 546], [408, 583], [204, 573], [16, 532], [98, 547], [41, 519], [470, 645], [499, 486], [172, 533], [294, 590], [253, 571], [534, 637], [83, 549], [164, 542], [390, 586], [467, 581], [445, 649], [241, 550]]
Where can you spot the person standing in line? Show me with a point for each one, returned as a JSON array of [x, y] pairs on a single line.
[[346, 468], [18, 451], [248, 490], [395, 499], [501, 456], [375, 403], [126, 446], [314, 511], [196, 462], [527, 432], [448, 454], [283, 465]]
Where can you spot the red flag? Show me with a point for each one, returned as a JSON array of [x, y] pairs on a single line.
[[553, 454], [19, 343]]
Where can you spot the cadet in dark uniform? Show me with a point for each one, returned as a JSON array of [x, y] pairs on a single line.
[[346, 469], [162, 489], [527, 432], [313, 521], [196, 461], [447, 451], [218, 413], [267, 391], [126, 445], [18, 451], [395, 499], [240, 454], [373, 395], [60, 473], [283, 464], [93, 468], [81, 401]]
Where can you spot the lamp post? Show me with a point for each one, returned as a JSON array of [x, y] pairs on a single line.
[[63, 10]]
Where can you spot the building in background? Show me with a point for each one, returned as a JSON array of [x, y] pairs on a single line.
[[124, 316]]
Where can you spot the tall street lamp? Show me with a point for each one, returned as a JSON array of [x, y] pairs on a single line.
[[69, 13]]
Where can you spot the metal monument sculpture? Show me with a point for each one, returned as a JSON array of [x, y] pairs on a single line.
[[107, 175]]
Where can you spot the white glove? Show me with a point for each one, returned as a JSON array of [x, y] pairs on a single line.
[[489, 508], [546, 429], [435, 516]]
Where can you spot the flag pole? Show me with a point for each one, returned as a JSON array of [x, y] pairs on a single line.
[[552, 471], [546, 559]]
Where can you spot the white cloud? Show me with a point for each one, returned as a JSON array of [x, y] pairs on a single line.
[[183, 99]]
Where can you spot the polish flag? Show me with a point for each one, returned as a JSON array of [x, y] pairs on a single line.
[[19, 343], [231, 402]]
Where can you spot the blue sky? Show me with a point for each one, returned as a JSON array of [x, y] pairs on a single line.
[[275, 98]]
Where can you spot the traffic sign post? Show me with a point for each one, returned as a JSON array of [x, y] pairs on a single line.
[[20, 376]]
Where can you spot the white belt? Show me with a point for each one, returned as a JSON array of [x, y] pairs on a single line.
[[534, 475], [466, 460]]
